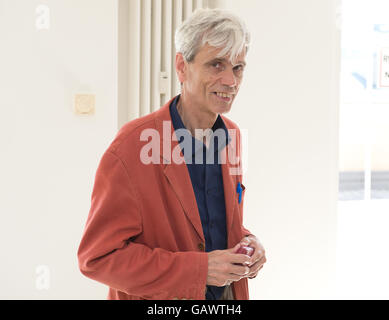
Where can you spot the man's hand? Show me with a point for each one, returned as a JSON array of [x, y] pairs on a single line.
[[258, 258], [223, 268]]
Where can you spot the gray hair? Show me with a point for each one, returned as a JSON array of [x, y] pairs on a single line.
[[219, 28]]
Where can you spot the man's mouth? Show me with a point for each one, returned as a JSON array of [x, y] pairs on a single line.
[[224, 96]]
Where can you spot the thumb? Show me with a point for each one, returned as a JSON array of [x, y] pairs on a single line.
[[245, 241], [234, 249]]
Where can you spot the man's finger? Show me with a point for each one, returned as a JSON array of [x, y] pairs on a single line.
[[257, 256], [239, 258], [252, 275], [262, 260], [239, 270]]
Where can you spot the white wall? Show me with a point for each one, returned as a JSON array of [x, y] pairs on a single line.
[[289, 104], [48, 154]]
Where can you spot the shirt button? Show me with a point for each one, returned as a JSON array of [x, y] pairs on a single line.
[[208, 191], [201, 246]]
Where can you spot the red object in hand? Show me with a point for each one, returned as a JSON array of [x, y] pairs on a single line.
[[245, 250]]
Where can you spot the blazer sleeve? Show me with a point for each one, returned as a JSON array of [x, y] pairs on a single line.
[[107, 253]]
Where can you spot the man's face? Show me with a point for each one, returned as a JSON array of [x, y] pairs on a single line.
[[212, 83]]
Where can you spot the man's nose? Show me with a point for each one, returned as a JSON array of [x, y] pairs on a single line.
[[229, 78]]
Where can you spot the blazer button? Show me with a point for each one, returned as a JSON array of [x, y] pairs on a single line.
[[201, 246]]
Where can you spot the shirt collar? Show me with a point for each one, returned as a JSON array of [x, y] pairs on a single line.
[[198, 145]]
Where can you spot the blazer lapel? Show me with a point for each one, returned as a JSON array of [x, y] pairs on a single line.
[[177, 174], [179, 179]]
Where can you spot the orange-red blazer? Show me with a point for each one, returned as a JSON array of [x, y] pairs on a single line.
[[143, 237]]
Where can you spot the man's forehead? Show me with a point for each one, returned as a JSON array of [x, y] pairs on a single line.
[[212, 53], [227, 60]]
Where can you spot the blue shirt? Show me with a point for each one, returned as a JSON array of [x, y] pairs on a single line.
[[207, 182]]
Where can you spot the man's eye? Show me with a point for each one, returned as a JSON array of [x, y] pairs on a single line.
[[217, 65], [238, 70]]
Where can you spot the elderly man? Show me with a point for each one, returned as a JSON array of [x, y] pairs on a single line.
[[169, 225]]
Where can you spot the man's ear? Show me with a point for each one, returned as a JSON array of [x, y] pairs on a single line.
[[180, 67]]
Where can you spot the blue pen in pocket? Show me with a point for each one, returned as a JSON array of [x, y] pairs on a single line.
[[239, 190]]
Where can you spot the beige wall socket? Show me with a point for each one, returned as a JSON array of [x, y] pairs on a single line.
[[84, 103]]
